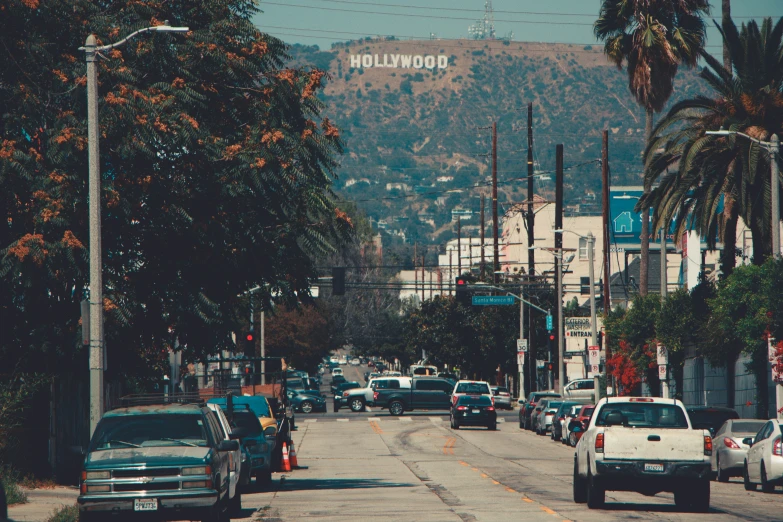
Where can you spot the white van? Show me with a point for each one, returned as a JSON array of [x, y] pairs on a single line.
[[580, 389]]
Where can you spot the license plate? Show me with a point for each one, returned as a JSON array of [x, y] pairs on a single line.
[[147, 504], [656, 468], [475, 411]]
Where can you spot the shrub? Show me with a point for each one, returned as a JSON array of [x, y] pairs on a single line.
[[588, 47], [14, 494], [65, 514]]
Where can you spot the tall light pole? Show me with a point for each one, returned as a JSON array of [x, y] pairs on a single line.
[[558, 253], [96, 360], [590, 238], [773, 147]]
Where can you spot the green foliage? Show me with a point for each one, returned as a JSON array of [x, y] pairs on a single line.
[[217, 171], [9, 480], [65, 514], [675, 324]]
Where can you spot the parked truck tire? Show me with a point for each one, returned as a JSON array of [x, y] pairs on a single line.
[[396, 408], [357, 404]]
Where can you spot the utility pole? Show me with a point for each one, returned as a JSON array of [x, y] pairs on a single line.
[[664, 278], [496, 265], [531, 217], [423, 297], [459, 246], [593, 313], [559, 264], [470, 253], [483, 226], [415, 270], [774, 152], [451, 272], [607, 253], [522, 336]]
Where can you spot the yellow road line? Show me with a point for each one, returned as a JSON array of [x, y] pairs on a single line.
[[464, 463], [510, 490], [527, 500], [547, 510]]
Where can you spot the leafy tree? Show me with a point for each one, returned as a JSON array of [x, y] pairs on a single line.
[[300, 335], [216, 167], [653, 37], [706, 169]]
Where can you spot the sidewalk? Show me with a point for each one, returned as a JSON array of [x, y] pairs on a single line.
[[41, 503]]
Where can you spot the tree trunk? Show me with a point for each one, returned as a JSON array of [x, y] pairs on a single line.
[[728, 257], [761, 247], [644, 267], [726, 17]]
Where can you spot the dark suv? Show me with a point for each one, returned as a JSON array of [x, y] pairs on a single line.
[[156, 462], [526, 409]]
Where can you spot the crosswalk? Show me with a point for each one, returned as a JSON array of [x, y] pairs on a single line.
[[436, 420]]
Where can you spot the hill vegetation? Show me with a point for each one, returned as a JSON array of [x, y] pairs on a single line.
[[409, 131]]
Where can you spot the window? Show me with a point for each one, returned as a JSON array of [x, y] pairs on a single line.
[[394, 385], [150, 430], [586, 385], [583, 254], [426, 385], [642, 415], [584, 285]]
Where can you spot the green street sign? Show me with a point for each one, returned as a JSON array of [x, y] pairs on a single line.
[[490, 300]]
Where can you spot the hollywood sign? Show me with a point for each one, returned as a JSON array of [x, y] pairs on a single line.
[[399, 61]]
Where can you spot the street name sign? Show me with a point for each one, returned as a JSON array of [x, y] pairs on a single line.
[[490, 300]]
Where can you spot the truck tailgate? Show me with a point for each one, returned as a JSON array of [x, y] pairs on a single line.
[[621, 443]]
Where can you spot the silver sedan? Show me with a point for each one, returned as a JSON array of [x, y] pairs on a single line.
[[728, 459]]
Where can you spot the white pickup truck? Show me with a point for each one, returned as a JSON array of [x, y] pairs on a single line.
[[646, 445]]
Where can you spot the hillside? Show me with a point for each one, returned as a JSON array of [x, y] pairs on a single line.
[[409, 131]]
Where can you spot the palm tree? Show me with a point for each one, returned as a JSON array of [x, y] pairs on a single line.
[[696, 171], [653, 37]]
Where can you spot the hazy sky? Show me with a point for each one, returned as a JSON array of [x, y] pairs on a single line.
[[322, 22]]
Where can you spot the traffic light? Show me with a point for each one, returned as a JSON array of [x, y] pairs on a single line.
[[461, 292], [338, 280], [250, 344], [550, 366]]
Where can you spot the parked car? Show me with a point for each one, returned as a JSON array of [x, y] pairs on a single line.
[[337, 391], [260, 406], [710, 417], [238, 462], [357, 398], [545, 418], [180, 445], [474, 410], [502, 397], [306, 403], [559, 419], [471, 388], [336, 371], [570, 415], [355, 361], [256, 445], [338, 379], [580, 389], [527, 407], [728, 457], [764, 462], [646, 445], [578, 426], [401, 394]]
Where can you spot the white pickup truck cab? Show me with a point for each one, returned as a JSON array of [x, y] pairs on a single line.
[[646, 445]]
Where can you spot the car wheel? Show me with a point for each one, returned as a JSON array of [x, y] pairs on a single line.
[[766, 487], [521, 424], [749, 486], [85, 516], [572, 440], [306, 407], [455, 425], [217, 513], [596, 494], [396, 408], [580, 486], [235, 504], [722, 476], [357, 405]]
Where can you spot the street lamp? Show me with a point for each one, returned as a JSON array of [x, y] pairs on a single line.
[[91, 50], [558, 253], [593, 315], [773, 147]]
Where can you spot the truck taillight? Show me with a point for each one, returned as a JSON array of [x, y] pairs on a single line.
[[707, 445], [599, 443], [729, 443], [83, 485], [777, 447]]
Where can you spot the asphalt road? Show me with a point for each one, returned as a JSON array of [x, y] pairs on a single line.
[[372, 465]]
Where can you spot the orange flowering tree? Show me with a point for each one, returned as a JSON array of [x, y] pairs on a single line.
[[216, 164]]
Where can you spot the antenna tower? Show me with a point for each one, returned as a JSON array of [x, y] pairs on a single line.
[[484, 29]]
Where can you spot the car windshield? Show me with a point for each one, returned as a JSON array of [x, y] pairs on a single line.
[[588, 412], [552, 405], [138, 431], [259, 405], [502, 390], [472, 388], [642, 415], [751, 427], [248, 422], [471, 400], [710, 419]]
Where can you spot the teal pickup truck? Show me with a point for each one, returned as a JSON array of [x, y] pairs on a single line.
[[157, 462]]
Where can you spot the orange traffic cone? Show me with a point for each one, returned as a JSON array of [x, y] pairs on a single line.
[[292, 454], [285, 464]]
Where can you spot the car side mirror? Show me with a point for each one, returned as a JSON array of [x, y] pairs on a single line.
[[748, 441], [228, 445], [238, 433]]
